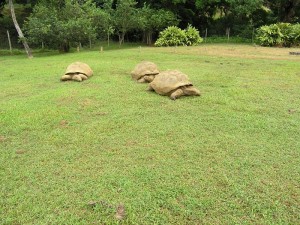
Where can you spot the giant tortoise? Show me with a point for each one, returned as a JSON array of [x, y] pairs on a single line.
[[77, 71], [144, 72], [173, 83]]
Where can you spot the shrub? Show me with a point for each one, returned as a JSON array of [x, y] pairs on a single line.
[[171, 36], [174, 36], [286, 31], [269, 35], [280, 34], [296, 34], [192, 36]]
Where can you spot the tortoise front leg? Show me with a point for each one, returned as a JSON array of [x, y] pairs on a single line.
[[77, 78], [83, 77], [149, 78], [150, 88], [141, 80], [176, 94], [65, 77]]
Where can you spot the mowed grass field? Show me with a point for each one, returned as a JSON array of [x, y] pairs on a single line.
[[72, 153]]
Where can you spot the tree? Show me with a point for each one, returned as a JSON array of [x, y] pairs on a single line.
[[104, 19], [20, 33], [125, 18], [61, 24], [152, 20], [284, 10]]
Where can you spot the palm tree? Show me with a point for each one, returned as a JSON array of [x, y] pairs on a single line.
[[20, 33]]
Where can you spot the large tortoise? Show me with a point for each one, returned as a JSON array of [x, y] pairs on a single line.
[[77, 71], [173, 83], [144, 72]]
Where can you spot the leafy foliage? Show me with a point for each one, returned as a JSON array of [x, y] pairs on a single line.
[[73, 23], [171, 36], [125, 18], [280, 34], [174, 36], [151, 20], [192, 36]]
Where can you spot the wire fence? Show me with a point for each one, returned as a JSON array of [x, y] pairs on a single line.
[[9, 38]]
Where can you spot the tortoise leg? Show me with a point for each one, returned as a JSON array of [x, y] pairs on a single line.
[[83, 77], [176, 94], [77, 78], [149, 78], [150, 88], [65, 77], [141, 80], [190, 90]]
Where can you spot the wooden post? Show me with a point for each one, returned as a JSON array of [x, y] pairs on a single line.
[[90, 40], [78, 49], [253, 35], [205, 35], [42, 45], [228, 33], [101, 49], [9, 42]]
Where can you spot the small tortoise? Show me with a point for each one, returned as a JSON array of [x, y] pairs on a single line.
[[77, 71], [144, 72], [173, 83]]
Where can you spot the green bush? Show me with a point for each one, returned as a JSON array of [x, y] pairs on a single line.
[[171, 36], [192, 36], [280, 34], [296, 34], [174, 36], [269, 35]]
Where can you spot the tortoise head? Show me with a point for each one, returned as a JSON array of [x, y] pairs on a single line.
[[190, 90]]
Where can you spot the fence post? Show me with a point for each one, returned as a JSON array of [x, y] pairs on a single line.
[[205, 35], [228, 34], [9, 42]]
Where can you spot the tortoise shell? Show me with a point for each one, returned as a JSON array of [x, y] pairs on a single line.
[[144, 68], [79, 67], [168, 81]]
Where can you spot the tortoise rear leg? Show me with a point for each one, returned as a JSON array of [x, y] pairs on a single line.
[[176, 94], [190, 90], [66, 77]]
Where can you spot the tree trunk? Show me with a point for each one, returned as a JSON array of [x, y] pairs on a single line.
[[20, 33], [121, 38]]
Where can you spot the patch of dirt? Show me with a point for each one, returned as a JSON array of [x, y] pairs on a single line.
[[131, 143], [2, 139], [291, 111], [20, 151], [85, 102], [101, 113], [102, 203], [120, 214], [63, 123]]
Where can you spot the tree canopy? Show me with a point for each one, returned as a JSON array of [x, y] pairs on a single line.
[[60, 23]]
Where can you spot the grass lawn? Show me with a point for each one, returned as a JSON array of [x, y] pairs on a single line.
[[71, 153]]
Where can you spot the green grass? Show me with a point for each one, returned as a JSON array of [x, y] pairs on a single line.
[[231, 156]]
